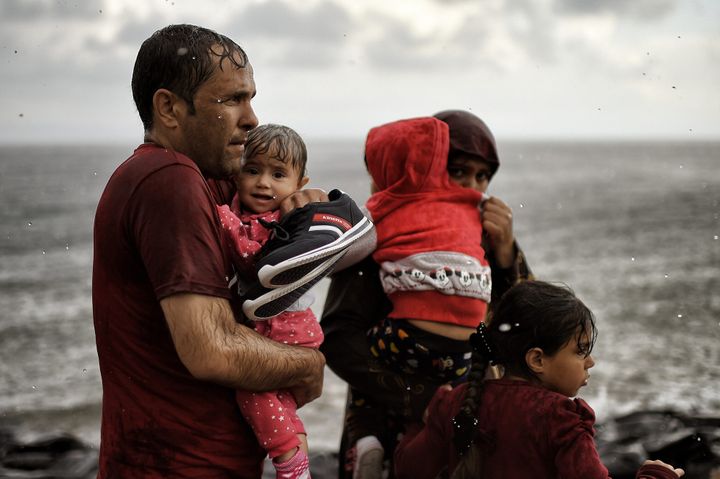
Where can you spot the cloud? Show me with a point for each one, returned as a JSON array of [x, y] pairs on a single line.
[[27, 10], [278, 20], [637, 9], [287, 35]]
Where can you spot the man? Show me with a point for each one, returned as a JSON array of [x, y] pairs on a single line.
[[170, 350]]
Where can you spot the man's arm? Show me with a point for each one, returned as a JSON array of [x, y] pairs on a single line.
[[213, 347]]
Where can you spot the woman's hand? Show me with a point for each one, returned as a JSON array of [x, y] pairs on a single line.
[[497, 224], [676, 470]]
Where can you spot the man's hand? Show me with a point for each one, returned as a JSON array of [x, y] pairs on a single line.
[[497, 224], [310, 386], [302, 197]]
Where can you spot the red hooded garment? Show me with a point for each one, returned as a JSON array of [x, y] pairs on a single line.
[[428, 228]]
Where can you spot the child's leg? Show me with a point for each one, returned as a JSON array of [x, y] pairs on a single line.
[[269, 420], [293, 464], [290, 410]]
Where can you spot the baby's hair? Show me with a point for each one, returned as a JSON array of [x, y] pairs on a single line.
[[282, 141], [531, 314]]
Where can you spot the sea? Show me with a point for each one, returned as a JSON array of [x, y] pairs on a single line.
[[632, 227]]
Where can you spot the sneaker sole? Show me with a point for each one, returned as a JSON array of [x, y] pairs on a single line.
[[278, 300], [293, 269], [370, 465]]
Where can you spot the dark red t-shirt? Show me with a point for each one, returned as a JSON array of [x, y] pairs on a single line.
[[157, 234]]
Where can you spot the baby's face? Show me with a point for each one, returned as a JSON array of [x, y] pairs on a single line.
[[470, 172], [264, 181]]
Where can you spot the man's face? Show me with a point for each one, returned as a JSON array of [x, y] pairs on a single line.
[[214, 136]]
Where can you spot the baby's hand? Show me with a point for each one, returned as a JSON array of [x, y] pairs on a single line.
[[302, 197], [676, 470]]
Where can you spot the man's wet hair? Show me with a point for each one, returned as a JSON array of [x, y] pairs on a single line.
[[180, 58], [282, 142]]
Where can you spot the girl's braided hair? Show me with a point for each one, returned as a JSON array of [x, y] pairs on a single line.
[[530, 314]]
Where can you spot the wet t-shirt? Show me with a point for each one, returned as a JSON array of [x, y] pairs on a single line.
[[157, 234]]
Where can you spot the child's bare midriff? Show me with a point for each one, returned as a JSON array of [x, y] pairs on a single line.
[[452, 331]]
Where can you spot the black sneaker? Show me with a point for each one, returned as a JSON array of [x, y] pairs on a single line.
[[265, 303], [306, 236]]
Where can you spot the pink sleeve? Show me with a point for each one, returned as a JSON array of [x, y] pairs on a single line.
[[571, 431], [425, 451], [236, 236]]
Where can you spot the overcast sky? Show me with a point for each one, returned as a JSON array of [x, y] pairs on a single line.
[[333, 68]]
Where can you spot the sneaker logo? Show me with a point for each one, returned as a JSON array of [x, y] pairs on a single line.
[[326, 218]]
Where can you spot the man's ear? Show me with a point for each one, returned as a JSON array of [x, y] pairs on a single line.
[[168, 108], [303, 181], [535, 360]]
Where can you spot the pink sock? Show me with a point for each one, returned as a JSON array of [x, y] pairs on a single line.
[[297, 467]]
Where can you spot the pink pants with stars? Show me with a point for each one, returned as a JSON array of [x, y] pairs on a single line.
[[273, 415]]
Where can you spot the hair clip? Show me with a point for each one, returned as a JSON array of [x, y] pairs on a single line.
[[464, 427], [481, 344]]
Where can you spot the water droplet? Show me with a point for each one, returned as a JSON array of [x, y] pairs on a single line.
[[681, 167], [674, 87], [182, 51], [43, 251], [34, 387], [522, 205], [99, 11], [667, 275], [94, 173], [679, 315], [67, 246], [15, 52], [360, 273], [504, 327], [632, 259], [219, 100], [715, 237], [29, 223], [194, 59], [21, 115], [219, 117], [84, 370]]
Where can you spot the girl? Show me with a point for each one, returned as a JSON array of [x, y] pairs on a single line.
[[524, 424]]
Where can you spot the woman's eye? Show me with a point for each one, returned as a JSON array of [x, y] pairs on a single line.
[[482, 177], [456, 172]]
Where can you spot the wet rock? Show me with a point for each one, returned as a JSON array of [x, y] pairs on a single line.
[[56, 457], [689, 442]]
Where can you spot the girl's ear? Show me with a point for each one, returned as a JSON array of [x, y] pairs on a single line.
[[534, 359], [303, 181]]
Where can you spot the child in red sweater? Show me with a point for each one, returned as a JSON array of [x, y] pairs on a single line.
[[524, 424]]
